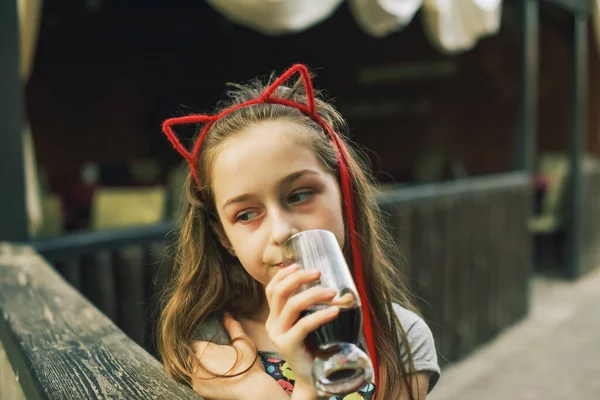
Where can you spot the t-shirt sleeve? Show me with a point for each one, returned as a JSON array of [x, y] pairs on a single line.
[[421, 342]]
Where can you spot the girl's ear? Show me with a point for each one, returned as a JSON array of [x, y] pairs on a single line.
[[218, 230]]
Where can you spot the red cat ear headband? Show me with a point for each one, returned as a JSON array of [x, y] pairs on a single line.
[[342, 155]]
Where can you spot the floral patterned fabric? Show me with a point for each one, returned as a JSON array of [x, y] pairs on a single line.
[[280, 371]]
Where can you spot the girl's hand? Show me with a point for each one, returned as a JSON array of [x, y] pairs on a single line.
[[219, 359], [285, 328]]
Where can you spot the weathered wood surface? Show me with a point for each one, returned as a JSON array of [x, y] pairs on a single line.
[[62, 347], [469, 255]]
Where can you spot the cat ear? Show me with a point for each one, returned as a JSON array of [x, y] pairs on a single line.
[[309, 107], [190, 157]]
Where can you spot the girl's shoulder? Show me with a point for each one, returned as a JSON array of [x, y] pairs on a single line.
[[421, 343]]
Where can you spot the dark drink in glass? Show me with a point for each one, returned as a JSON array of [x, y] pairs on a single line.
[[346, 328]]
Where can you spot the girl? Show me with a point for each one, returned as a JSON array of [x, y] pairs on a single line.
[[271, 163]]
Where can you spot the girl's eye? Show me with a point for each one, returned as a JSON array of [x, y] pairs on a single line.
[[299, 197], [246, 216]]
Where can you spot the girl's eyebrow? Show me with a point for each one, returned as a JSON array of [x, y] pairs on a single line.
[[287, 180]]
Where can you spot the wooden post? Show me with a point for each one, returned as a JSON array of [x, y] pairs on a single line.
[[528, 99], [13, 212], [526, 133], [578, 127]]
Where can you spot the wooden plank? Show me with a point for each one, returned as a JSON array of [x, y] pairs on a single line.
[[464, 270], [456, 187], [524, 264], [62, 347], [98, 282], [502, 260], [403, 235], [70, 269], [83, 243], [129, 270], [160, 268], [473, 274], [435, 245], [425, 242], [397, 220], [494, 240], [449, 227]]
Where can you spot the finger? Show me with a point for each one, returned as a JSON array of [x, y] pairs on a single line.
[[279, 276], [303, 301], [287, 286], [233, 327], [309, 323]]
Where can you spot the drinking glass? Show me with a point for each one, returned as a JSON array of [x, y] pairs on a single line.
[[340, 366]]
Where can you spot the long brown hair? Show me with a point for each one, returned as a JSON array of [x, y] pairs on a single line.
[[208, 280]]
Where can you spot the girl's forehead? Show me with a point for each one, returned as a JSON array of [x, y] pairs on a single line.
[[261, 143], [261, 155]]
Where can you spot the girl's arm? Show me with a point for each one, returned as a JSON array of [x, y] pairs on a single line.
[[420, 384], [253, 384]]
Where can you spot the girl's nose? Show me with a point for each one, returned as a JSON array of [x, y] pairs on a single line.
[[283, 226]]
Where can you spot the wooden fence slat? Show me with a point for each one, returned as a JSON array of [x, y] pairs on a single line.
[[493, 273], [461, 241], [400, 227], [160, 266], [131, 291], [473, 282], [98, 282], [70, 269], [450, 282]]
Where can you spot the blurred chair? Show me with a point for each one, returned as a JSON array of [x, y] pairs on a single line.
[[554, 167], [119, 207]]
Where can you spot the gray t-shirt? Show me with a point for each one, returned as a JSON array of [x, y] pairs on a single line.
[[418, 334], [421, 344]]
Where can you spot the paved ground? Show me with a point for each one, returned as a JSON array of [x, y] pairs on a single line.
[[554, 354]]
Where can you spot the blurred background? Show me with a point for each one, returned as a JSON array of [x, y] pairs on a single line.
[[480, 119]]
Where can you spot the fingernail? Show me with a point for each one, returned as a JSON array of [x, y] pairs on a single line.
[[332, 310], [314, 272], [330, 292]]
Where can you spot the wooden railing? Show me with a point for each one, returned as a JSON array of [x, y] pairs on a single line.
[[469, 254], [54, 344], [466, 243], [122, 272]]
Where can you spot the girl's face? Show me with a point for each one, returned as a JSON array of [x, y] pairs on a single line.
[[268, 184]]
